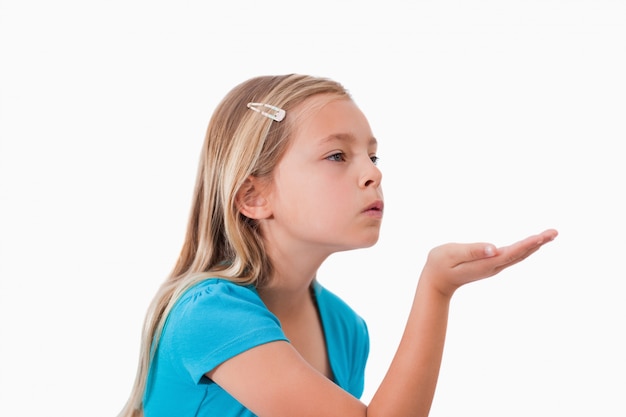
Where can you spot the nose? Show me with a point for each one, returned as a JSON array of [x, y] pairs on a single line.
[[371, 176]]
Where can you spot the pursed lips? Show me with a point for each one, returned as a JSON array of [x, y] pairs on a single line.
[[376, 207]]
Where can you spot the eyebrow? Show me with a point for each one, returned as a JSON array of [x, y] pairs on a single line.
[[345, 137]]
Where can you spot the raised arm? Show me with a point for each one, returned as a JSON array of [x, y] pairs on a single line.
[[409, 386], [272, 380]]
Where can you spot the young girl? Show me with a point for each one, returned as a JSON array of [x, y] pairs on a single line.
[[241, 327]]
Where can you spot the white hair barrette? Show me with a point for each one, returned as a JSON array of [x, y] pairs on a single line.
[[276, 113]]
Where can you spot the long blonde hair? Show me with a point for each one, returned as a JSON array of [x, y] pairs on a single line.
[[220, 241]]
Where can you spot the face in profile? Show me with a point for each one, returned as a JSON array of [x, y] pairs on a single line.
[[326, 192]]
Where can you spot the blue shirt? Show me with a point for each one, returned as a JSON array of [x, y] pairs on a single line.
[[215, 320]]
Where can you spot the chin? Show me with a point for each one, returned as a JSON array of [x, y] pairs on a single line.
[[367, 242], [355, 246], [361, 241]]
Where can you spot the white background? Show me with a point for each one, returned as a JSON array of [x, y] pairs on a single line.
[[496, 119]]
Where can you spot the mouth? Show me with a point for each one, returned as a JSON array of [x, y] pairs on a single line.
[[376, 207]]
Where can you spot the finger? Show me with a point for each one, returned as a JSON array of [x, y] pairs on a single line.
[[543, 237], [550, 234], [530, 243], [512, 260], [472, 252], [523, 249]]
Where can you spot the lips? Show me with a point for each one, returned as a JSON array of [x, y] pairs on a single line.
[[376, 207]]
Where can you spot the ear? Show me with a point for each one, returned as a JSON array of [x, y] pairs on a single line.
[[251, 199]]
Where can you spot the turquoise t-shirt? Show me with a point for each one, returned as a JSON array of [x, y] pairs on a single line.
[[215, 320]]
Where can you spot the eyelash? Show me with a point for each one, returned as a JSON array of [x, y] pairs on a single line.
[[337, 157], [340, 157]]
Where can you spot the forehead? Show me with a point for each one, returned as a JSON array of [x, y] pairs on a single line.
[[324, 117]]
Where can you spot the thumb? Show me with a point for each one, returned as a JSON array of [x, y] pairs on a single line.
[[475, 251], [489, 250], [455, 254]]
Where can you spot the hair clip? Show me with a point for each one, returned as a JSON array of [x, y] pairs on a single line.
[[278, 113]]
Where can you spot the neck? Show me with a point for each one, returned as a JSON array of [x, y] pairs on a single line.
[[287, 289], [289, 286], [295, 263]]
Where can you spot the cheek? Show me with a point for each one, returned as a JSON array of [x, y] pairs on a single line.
[[293, 196], [320, 204], [303, 195]]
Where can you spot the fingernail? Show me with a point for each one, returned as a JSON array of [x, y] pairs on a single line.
[[490, 251]]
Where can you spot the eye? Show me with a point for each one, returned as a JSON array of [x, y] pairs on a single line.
[[375, 159], [337, 157]]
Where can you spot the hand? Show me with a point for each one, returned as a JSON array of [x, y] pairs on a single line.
[[452, 265]]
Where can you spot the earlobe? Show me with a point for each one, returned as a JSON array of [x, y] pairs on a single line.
[[251, 200]]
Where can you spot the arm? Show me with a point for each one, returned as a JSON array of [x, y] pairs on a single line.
[[272, 380], [412, 376]]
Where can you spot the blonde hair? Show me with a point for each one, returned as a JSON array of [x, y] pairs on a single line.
[[220, 241]]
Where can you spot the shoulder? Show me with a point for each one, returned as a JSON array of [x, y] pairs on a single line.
[[214, 320], [216, 299], [217, 288]]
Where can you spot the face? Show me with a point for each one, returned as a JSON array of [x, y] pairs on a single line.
[[326, 194]]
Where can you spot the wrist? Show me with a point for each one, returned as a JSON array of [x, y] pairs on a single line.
[[435, 286]]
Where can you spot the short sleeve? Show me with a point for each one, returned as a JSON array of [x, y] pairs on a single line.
[[213, 322]]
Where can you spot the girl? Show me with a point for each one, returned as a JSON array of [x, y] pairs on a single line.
[[241, 327]]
